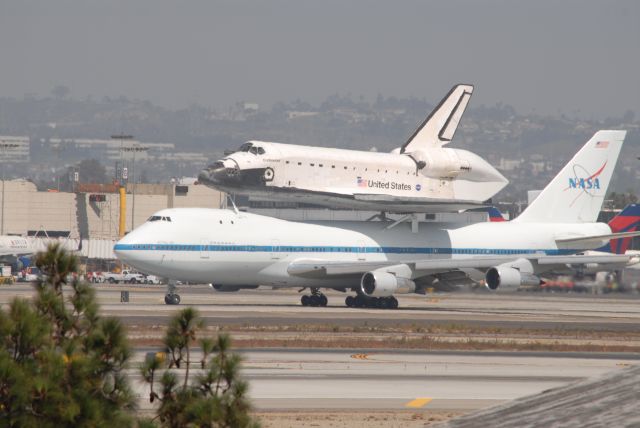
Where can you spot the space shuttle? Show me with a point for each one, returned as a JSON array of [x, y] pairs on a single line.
[[420, 176]]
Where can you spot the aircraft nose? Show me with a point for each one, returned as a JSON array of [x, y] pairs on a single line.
[[218, 172], [124, 248]]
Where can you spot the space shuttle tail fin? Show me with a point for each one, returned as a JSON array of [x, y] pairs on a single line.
[[441, 124]]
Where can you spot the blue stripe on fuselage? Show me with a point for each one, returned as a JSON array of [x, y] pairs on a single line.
[[336, 249]]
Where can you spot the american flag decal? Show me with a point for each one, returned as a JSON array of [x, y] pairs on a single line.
[[362, 182], [602, 144]]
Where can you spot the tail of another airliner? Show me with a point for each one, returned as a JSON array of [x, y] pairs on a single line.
[[440, 126], [494, 215], [627, 221], [576, 194]]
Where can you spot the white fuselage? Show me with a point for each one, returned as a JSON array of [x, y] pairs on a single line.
[[436, 179], [222, 247], [14, 246]]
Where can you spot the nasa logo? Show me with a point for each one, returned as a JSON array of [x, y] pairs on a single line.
[[582, 180], [418, 187], [584, 183]]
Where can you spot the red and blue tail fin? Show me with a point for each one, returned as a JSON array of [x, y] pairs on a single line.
[[627, 221], [494, 214]]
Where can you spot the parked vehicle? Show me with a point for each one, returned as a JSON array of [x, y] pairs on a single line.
[[124, 276], [152, 279]]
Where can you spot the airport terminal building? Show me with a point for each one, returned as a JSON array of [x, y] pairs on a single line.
[[92, 212]]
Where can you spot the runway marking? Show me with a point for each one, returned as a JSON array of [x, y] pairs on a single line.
[[418, 403], [360, 356]]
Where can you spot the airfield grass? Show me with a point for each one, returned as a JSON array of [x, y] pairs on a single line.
[[354, 418], [433, 337]]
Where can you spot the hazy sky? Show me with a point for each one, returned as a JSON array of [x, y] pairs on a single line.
[[579, 57]]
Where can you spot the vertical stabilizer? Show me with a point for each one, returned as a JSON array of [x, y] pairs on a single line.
[[440, 126], [495, 216], [576, 194]]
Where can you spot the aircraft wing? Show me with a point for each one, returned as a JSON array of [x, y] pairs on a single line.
[[320, 268], [324, 268]]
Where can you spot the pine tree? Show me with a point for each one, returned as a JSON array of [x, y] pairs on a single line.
[[61, 364], [215, 397]]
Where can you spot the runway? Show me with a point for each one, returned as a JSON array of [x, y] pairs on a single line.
[[311, 379], [276, 307], [390, 376]]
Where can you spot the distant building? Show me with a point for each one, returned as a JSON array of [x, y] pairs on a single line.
[[93, 211], [19, 152]]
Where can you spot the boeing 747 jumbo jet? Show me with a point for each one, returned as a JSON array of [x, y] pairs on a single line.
[[378, 259], [420, 176]]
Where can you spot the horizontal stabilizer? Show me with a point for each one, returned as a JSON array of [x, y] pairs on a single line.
[[583, 259], [596, 238]]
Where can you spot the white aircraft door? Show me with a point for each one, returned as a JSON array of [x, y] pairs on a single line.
[[204, 249], [275, 249], [362, 255]]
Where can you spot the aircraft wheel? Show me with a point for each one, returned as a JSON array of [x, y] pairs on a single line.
[[323, 300], [350, 301], [393, 303], [315, 300], [360, 301], [305, 300], [172, 299]]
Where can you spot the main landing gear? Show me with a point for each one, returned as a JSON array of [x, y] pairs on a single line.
[[316, 298], [362, 301], [171, 298]]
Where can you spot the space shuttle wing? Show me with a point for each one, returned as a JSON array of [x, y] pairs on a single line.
[[440, 126]]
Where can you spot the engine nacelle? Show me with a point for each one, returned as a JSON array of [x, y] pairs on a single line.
[[380, 283], [440, 163], [233, 288], [507, 276]]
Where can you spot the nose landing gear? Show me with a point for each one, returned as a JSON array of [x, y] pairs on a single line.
[[316, 298], [171, 298], [362, 301]]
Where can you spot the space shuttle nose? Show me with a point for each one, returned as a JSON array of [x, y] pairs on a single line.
[[218, 173]]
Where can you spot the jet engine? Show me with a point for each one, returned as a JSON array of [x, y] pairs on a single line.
[[380, 283], [509, 276]]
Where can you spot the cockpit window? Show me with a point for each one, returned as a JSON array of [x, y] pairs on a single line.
[[256, 150], [245, 147], [159, 218]]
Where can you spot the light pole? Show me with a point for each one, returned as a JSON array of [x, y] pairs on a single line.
[[134, 149], [4, 147]]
